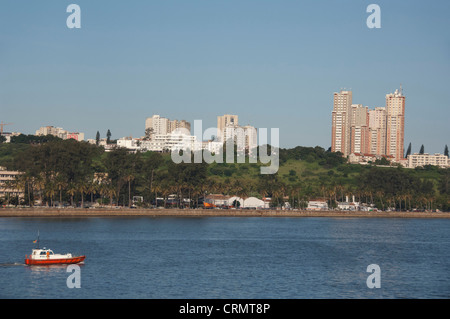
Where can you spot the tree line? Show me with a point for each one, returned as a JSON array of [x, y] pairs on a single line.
[[75, 173]]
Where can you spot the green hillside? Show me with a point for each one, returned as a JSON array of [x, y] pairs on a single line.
[[70, 170]]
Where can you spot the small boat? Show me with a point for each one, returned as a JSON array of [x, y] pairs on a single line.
[[46, 256]]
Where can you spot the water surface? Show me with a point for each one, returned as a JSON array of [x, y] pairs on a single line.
[[227, 257]]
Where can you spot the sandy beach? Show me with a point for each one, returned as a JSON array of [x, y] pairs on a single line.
[[126, 212]]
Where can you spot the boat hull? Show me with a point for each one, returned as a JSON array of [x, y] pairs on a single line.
[[72, 260]]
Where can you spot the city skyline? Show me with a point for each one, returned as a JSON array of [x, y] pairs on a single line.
[[274, 64]]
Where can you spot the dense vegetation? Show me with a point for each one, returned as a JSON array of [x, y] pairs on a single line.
[[77, 173]]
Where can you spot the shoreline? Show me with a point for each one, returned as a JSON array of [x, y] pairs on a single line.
[[126, 212]]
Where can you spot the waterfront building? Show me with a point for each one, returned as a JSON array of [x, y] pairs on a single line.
[[317, 204]]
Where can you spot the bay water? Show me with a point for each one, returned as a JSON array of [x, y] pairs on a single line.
[[228, 257]]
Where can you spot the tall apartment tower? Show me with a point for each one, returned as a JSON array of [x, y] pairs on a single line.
[[377, 131], [175, 124], [340, 122], [163, 126], [160, 125], [395, 124], [359, 129], [224, 121]]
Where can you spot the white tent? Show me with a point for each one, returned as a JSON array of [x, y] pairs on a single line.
[[253, 202]]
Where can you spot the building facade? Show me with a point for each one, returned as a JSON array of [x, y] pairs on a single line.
[[59, 132], [162, 126], [340, 122], [224, 121], [8, 187], [245, 137], [359, 129], [377, 131], [395, 124], [420, 160], [356, 129]]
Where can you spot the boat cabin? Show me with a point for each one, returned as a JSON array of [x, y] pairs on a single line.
[[45, 253]]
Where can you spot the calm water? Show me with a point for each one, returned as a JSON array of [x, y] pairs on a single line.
[[217, 257]]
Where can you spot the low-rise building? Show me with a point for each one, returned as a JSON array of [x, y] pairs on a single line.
[[8, 187], [59, 132], [419, 160], [317, 204], [360, 158]]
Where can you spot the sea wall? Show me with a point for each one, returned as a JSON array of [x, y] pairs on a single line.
[[121, 212]]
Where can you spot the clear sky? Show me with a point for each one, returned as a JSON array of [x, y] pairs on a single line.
[[275, 63]]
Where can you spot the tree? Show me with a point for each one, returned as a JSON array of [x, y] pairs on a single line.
[[2, 139], [97, 138], [148, 133], [446, 150], [108, 137], [408, 152], [422, 150]]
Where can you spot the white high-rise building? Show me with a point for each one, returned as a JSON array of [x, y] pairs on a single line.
[[160, 125], [245, 137], [224, 121]]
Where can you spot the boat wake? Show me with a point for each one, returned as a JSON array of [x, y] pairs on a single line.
[[11, 264]]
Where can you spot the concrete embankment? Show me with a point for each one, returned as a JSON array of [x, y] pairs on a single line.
[[125, 212]]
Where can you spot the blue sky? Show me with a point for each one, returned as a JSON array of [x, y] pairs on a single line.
[[275, 63]]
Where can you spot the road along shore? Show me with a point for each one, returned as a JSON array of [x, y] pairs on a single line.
[[126, 212]]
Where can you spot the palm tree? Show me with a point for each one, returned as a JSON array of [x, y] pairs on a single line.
[[380, 195], [129, 178], [82, 188], [60, 183], [94, 188], [71, 190], [50, 191], [111, 191]]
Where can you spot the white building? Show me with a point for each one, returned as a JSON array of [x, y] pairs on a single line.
[[253, 202], [418, 160], [162, 126], [7, 186], [161, 142], [317, 204], [245, 137]]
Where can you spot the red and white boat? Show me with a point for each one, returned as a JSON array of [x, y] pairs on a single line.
[[46, 256]]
